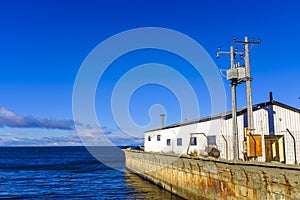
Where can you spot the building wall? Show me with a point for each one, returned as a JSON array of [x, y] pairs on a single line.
[[173, 134], [210, 128], [261, 126], [283, 118], [215, 127], [260, 118]]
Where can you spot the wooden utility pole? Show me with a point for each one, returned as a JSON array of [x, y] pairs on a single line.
[[248, 79], [248, 87], [248, 83], [233, 104], [233, 84]]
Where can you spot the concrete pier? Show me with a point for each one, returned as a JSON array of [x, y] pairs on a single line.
[[209, 178]]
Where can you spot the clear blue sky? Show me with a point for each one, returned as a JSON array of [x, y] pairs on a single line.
[[43, 43]]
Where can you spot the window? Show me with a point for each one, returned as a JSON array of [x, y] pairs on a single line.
[[158, 137], [149, 138], [179, 141], [211, 140], [194, 141], [168, 142]]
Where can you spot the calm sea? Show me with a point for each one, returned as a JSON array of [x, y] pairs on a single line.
[[68, 172]]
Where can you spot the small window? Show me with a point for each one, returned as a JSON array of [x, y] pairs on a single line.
[[211, 140], [149, 138], [168, 142], [194, 141], [158, 137], [179, 141]]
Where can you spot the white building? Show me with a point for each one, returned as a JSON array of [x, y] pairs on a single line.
[[271, 121]]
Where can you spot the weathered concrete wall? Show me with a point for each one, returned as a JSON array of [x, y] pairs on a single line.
[[208, 178]]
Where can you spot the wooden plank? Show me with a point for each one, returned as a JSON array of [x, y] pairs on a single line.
[[251, 149]]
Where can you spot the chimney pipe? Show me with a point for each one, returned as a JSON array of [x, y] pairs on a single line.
[[271, 96], [162, 120]]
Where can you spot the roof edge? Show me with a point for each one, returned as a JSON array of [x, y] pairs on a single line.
[[228, 114]]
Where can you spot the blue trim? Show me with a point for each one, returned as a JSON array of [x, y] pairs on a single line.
[[271, 113], [245, 120]]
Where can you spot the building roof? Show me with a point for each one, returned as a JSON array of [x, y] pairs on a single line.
[[228, 114]]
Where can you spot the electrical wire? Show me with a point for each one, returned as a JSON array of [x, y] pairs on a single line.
[[221, 72]]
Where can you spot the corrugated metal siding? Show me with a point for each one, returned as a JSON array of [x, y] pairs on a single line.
[[262, 128], [283, 119], [227, 132]]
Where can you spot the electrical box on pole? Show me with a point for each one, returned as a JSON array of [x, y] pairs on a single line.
[[236, 74]]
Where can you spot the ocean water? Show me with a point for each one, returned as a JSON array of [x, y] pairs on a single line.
[[68, 173]]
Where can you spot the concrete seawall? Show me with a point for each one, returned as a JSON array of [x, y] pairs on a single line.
[[208, 178]]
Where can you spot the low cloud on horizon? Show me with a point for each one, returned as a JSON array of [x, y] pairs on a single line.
[[89, 135], [71, 140], [10, 119]]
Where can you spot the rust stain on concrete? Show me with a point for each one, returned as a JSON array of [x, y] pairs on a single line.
[[194, 178]]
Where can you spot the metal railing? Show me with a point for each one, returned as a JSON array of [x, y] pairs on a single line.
[[226, 143], [294, 141]]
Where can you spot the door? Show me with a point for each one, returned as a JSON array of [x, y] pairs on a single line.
[[274, 148]]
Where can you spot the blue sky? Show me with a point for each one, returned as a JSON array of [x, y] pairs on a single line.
[[43, 44]]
